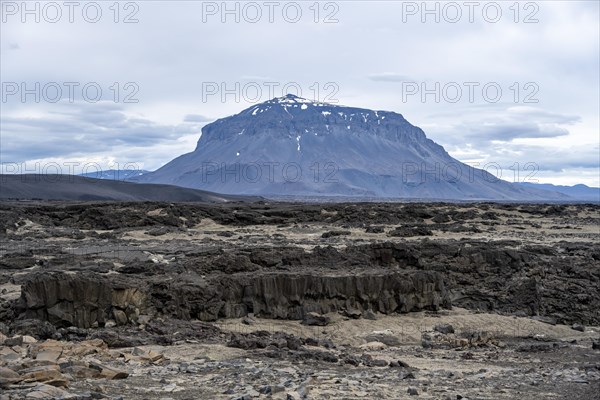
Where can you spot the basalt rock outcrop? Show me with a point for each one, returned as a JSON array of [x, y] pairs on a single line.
[[91, 300], [82, 300], [292, 295], [94, 264]]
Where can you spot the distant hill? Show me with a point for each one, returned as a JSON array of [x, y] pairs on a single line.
[[115, 174], [294, 147], [578, 192], [78, 188]]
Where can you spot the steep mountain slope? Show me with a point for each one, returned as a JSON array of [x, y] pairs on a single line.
[[292, 146]]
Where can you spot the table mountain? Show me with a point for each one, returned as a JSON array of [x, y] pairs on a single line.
[[291, 146]]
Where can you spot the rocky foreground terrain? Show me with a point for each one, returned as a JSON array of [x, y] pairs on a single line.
[[299, 301]]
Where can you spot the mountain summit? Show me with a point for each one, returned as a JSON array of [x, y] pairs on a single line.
[[291, 146]]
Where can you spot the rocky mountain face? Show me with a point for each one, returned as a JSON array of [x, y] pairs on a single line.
[[293, 146]]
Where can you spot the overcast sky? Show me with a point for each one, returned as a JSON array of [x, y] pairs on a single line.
[[162, 77]]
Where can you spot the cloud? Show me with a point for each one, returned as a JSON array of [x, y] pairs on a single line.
[[253, 78], [367, 55], [480, 126], [196, 118], [389, 77], [545, 159], [525, 141], [543, 115], [506, 131], [81, 129]]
